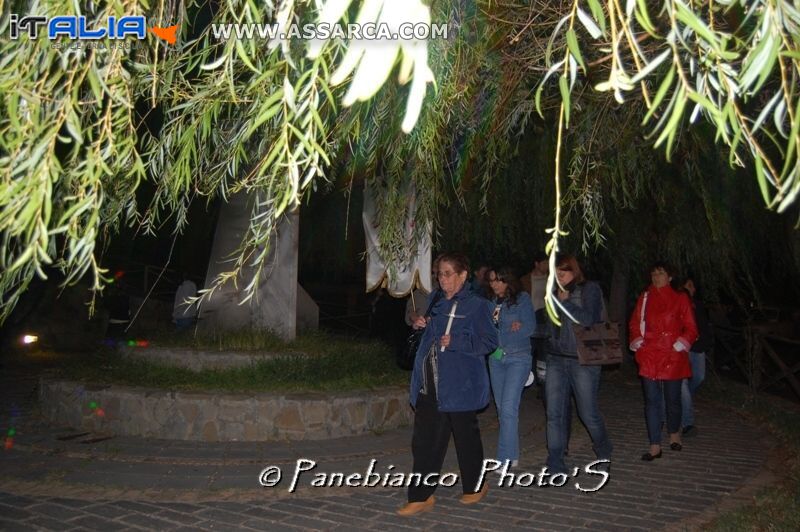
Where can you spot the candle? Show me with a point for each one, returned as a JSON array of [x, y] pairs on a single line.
[[450, 321]]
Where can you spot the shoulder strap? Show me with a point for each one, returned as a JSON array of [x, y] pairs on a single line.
[[436, 297], [641, 316]]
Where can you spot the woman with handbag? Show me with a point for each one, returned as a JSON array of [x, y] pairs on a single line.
[[510, 364], [583, 300], [662, 329], [450, 384]]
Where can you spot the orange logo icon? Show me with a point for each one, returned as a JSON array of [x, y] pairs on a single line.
[[167, 34]]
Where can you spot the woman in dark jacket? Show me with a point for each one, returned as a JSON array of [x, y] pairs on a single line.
[[583, 300], [450, 384], [662, 329], [697, 357]]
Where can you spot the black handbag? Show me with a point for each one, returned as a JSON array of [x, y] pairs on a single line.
[[408, 351]]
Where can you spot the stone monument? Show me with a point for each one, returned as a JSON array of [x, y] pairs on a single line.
[[280, 305]]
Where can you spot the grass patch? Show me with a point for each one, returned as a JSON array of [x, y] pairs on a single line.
[[334, 363], [775, 507], [316, 342]]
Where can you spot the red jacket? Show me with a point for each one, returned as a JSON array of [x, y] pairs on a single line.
[[668, 319]]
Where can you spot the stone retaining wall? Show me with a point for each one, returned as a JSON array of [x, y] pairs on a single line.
[[197, 360], [208, 416]]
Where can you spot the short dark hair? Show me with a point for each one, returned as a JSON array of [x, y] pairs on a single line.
[[459, 261], [662, 265], [539, 256], [691, 278]]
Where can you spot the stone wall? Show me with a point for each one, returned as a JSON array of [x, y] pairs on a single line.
[[209, 416]]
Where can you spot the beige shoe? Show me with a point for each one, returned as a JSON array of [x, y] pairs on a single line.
[[473, 498], [414, 508]]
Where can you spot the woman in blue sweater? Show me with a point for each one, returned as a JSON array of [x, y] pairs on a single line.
[[510, 365]]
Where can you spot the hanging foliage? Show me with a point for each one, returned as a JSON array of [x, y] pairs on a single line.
[[736, 64], [224, 115]]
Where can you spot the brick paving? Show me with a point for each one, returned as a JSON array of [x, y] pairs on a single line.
[[54, 481]]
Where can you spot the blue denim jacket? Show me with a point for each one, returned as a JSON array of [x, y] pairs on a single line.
[[585, 303], [517, 342], [463, 381]]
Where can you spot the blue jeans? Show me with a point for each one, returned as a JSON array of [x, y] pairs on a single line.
[[565, 377], [690, 386], [655, 391], [508, 376]]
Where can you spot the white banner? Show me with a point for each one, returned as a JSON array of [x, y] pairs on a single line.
[[403, 278]]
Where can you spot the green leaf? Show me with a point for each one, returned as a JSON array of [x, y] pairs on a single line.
[[94, 84], [537, 100], [766, 69], [755, 62], [765, 112], [13, 102], [643, 17], [216, 63], [538, 95], [706, 104], [269, 108], [575, 50], [690, 18], [671, 128], [662, 91], [789, 199], [22, 259], [598, 15], [589, 24], [762, 180], [565, 99], [793, 136], [549, 49], [288, 92], [240, 51], [74, 125], [652, 65], [734, 145]]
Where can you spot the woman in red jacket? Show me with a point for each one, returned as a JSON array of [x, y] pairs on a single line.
[[662, 329]]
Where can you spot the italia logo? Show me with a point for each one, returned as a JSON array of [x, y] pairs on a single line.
[[77, 28]]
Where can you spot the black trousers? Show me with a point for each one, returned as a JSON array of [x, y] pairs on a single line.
[[429, 443]]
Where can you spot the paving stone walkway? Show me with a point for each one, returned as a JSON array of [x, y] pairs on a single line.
[[58, 478]]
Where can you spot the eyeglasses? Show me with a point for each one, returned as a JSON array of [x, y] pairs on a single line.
[[444, 274]]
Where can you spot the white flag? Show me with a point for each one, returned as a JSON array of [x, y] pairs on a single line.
[[401, 279]]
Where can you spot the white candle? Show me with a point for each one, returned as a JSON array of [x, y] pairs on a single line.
[[450, 321]]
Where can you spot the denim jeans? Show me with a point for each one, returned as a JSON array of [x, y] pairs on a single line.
[[565, 377], [690, 386], [655, 391], [508, 376]]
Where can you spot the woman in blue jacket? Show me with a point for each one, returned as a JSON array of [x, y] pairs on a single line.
[[450, 384], [510, 365]]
